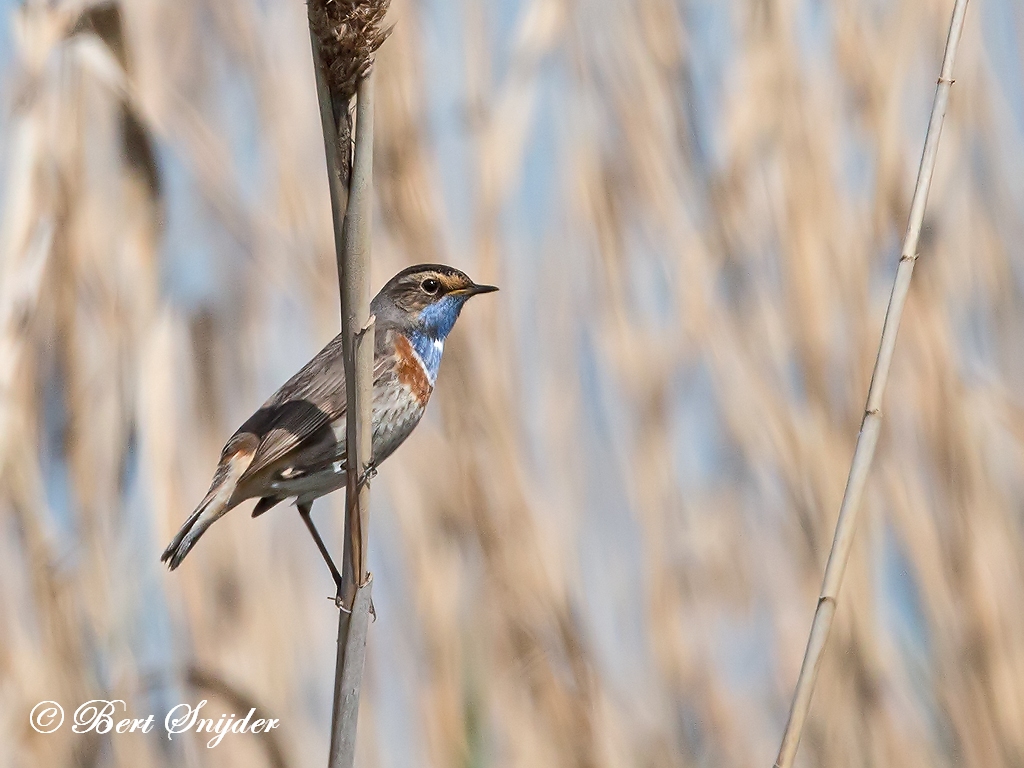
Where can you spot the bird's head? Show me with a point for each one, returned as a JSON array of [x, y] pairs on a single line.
[[427, 298]]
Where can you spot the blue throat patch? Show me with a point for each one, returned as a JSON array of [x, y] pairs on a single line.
[[435, 323]]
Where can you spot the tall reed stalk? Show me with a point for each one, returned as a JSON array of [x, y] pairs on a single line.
[[357, 331], [344, 38], [867, 439]]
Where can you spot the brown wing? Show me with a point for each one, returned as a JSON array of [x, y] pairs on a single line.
[[303, 408], [301, 413]]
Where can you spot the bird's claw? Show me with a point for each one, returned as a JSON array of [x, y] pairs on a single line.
[[369, 472], [339, 603]]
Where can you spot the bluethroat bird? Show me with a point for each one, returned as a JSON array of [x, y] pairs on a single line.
[[294, 445]]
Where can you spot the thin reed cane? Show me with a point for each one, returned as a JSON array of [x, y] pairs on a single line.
[[351, 206], [868, 437], [357, 337]]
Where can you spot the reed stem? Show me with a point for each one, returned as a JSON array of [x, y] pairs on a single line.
[[870, 426], [351, 206]]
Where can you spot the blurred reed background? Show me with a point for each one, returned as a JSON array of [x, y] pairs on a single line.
[[603, 545]]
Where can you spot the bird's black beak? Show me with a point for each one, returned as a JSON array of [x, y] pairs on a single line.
[[473, 290]]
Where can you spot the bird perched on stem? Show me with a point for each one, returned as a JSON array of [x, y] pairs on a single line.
[[294, 445]]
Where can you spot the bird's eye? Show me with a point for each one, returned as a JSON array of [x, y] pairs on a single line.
[[430, 285]]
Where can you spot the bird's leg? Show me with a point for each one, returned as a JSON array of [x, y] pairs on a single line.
[[304, 510]]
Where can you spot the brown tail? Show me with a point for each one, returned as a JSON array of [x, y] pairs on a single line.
[[204, 516], [217, 502]]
